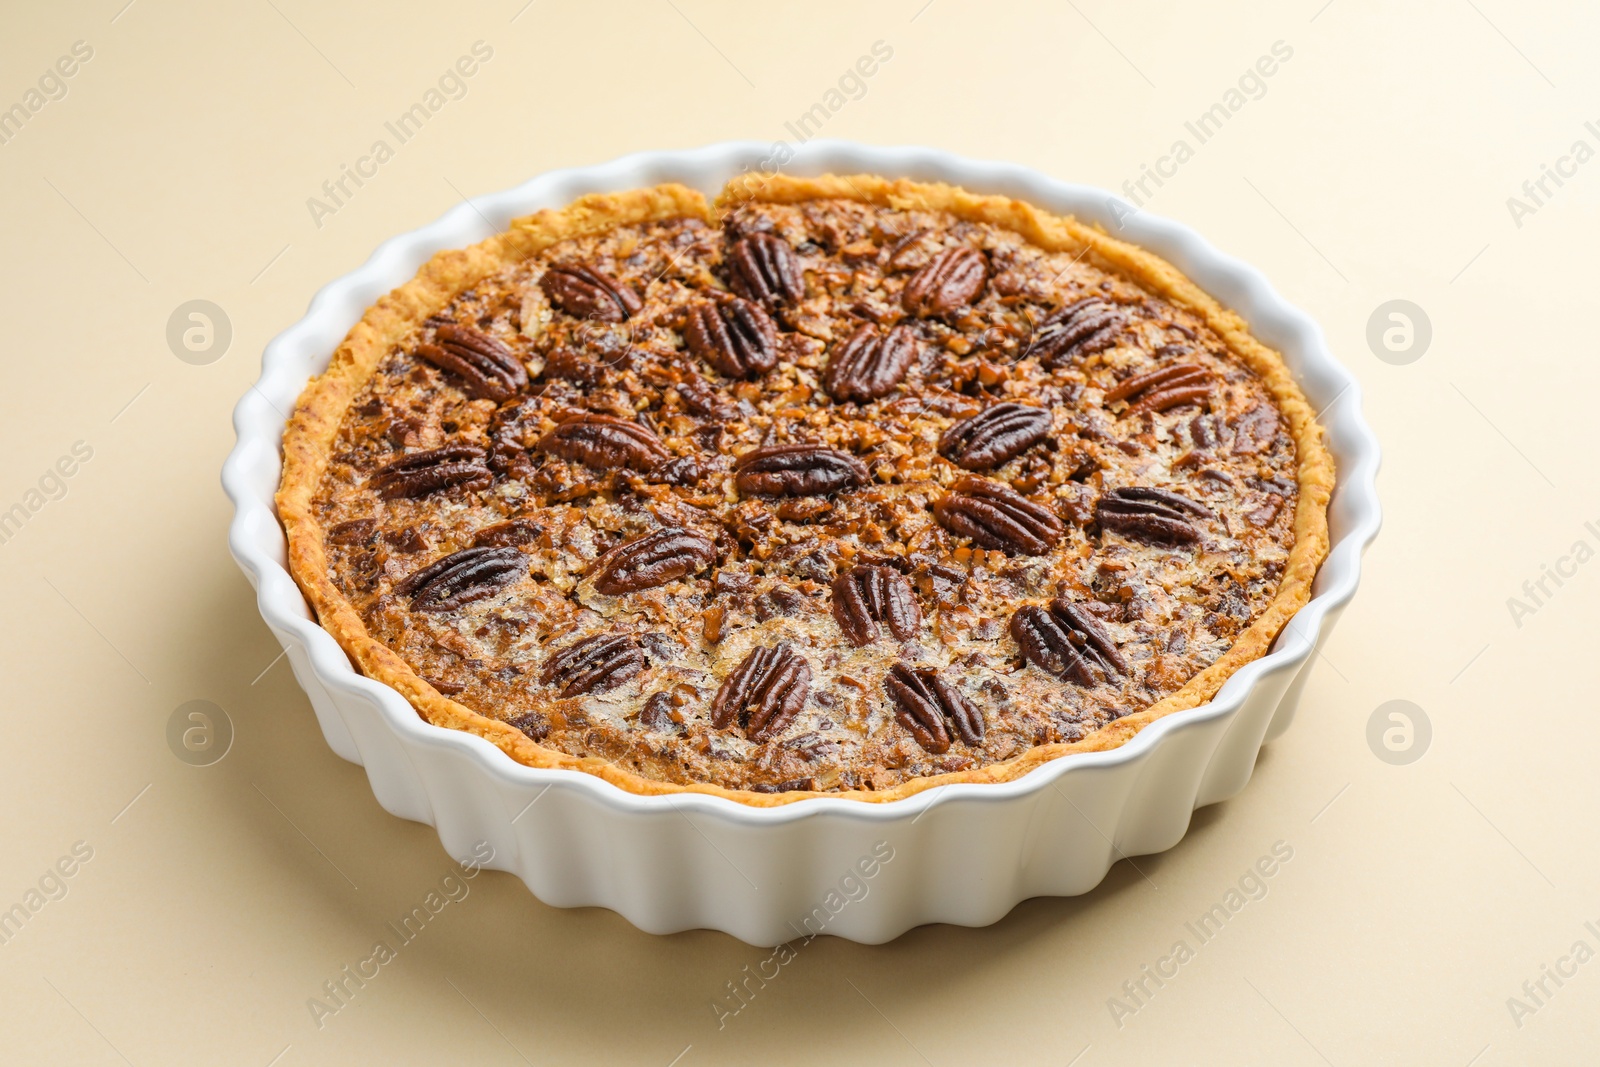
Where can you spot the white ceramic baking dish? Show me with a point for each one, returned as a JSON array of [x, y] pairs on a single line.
[[964, 854]]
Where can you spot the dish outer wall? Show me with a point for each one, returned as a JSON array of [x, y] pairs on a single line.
[[963, 854]]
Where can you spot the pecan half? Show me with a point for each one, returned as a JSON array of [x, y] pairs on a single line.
[[685, 470], [462, 577], [735, 336], [867, 595], [512, 532], [535, 725], [354, 532], [1255, 430], [1080, 328], [764, 693], [603, 442], [1068, 642], [870, 364], [788, 785], [762, 267], [594, 664], [1154, 516], [586, 293], [996, 516], [654, 559], [656, 714], [1166, 387], [1204, 432], [490, 369], [931, 708], [994, 435], [700, 397], [798, 470], [421, 473], [949, 281]]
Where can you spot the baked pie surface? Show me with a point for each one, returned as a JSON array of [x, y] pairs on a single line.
[[839, 486]]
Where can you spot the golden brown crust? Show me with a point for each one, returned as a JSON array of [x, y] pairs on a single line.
[[309, 437]]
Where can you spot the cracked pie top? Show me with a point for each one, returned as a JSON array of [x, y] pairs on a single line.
[[839, 486]]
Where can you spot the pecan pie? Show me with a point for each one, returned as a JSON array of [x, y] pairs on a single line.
[[838, 486]]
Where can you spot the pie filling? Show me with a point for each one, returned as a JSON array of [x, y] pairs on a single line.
[[827, 496]]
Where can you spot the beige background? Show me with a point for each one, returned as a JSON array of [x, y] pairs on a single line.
[[1376, 166]]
